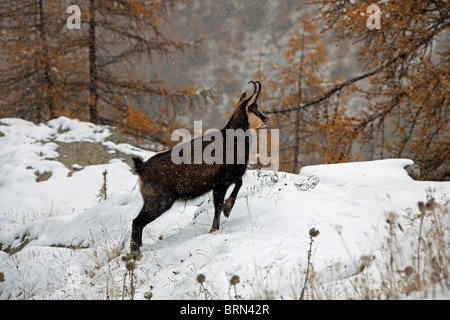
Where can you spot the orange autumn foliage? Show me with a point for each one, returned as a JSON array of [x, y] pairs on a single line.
[[403, 109], [318, 134], [408, 99], [95, 73]]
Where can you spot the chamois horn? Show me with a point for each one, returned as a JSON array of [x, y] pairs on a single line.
[[256, 91]]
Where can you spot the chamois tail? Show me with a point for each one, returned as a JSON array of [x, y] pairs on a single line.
[[138, 165]]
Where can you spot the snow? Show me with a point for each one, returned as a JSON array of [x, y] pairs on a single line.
[[65, 244]]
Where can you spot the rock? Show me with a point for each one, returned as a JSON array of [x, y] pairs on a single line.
[[43, 176], [79, 154], [413, 171]]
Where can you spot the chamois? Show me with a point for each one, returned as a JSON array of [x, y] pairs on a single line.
[[162, 182]]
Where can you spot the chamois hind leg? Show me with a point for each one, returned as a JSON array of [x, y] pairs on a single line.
[[218, 195], [229, 203], [154, 206]]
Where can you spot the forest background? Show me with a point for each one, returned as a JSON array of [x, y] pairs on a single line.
[[342, 81]]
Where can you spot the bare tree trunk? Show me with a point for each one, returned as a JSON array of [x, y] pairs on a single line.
[[297, 116], [93, 90], [46, 78]]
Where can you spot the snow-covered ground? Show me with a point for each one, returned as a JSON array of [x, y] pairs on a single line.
[[60, 242]]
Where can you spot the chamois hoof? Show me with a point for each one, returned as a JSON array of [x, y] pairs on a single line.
[[213, 230], [227, 206], [134, 248]]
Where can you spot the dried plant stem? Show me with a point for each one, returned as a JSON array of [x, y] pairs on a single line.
[[103, 193], [130, 264], [205, 291], [420, 239], [124, 285], [307, 269]]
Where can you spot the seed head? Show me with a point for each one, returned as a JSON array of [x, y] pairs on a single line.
[[409, 271], [130, 265], [234, 280], [201, 278], [127, 257], [148, 295], [421, 206], [431, 204], [313, 232]]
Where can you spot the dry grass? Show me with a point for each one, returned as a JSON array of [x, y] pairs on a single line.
[[414, 261]]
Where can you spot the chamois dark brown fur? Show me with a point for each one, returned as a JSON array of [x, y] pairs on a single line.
[[162, 181]]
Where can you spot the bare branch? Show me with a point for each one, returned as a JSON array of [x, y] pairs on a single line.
[[327, 95]]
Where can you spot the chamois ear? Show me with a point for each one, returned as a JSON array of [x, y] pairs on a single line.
[[242, 97], [255, 94]]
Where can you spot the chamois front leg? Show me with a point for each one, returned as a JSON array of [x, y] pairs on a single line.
[[229, 203], [218, 195]]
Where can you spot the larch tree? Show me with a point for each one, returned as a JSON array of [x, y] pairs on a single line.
[[100, 72], [308, 136], [29, 72], [123, 38], [409, 93], [404, 54]]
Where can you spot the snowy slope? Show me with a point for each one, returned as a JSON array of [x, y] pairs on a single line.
[[63, 243]]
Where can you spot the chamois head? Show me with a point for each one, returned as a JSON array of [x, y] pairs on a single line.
[[256, 118]]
